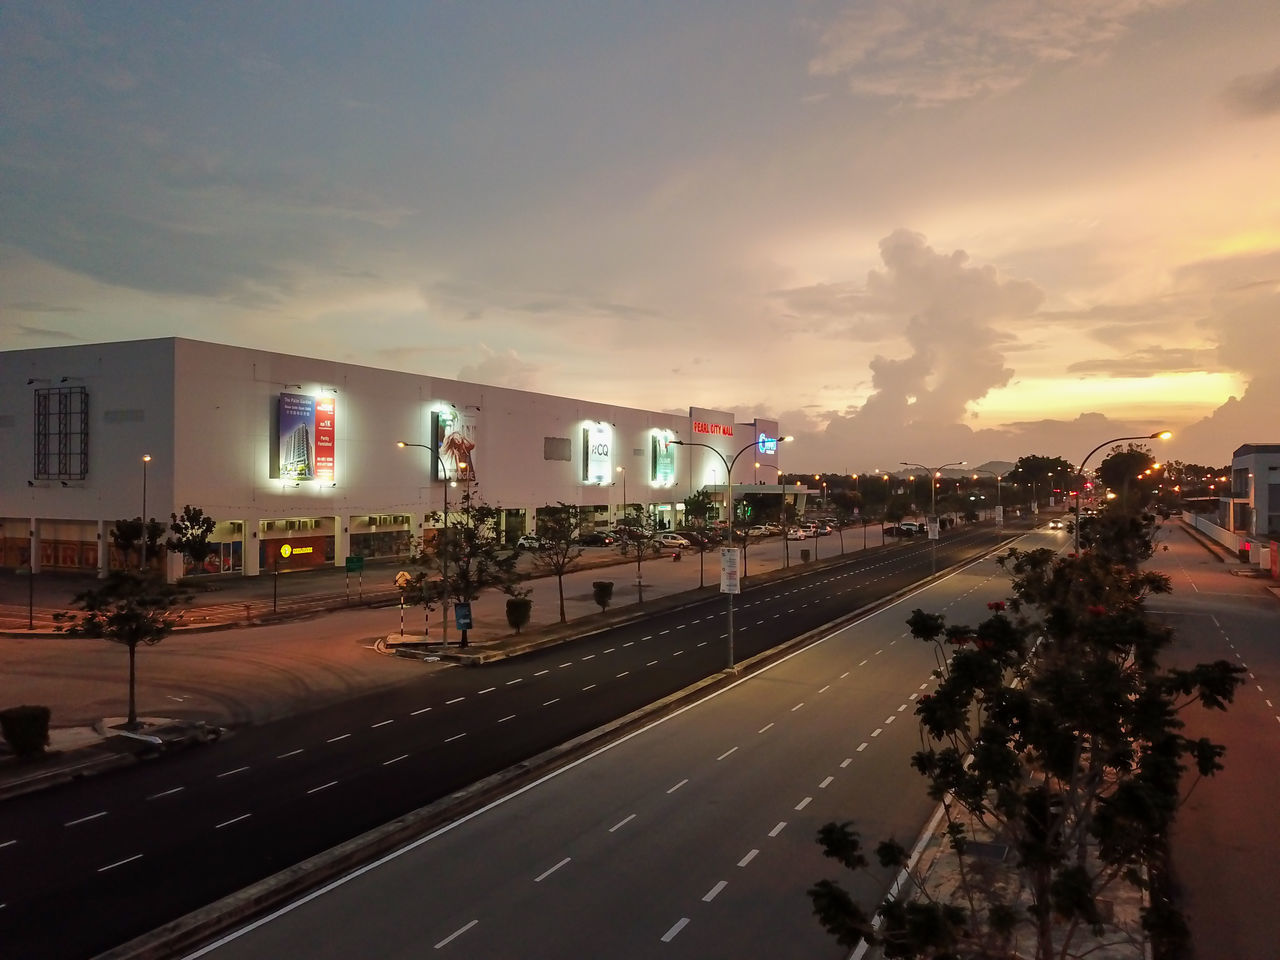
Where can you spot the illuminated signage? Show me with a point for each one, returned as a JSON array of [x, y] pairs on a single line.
[[455, 442], [597, 453], [662, 459], [306, 437], [767, 444], [288, 550], [713, 429]]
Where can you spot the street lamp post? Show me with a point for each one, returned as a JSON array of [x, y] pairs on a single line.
[[442, 551], [142, 563], [728, 475], [1158, 435], [635, 541], [998, 476], [933, 498]]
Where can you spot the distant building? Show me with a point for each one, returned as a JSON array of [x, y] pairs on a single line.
[[1253, 507], [296, 458]]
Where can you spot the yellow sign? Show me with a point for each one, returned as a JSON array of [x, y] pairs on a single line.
[[288, 549]]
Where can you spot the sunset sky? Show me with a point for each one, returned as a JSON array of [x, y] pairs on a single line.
[[910, 230]]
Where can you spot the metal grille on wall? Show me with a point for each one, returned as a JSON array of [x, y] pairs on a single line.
[[62, 433]]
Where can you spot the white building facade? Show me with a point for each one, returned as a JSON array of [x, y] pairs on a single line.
[[1253, 509], [297, 458]]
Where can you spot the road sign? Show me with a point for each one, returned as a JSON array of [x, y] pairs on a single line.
[[932, 524], [730, 570], [403, 579], [355, 564], [462, 616]]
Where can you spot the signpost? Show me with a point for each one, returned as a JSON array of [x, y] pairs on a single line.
[[402, 581], [25, 571], [462, 620], [355, 565], [730, 583]]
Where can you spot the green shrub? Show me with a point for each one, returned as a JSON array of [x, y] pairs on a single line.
[[519, 609], [26, 729], [602, 593]]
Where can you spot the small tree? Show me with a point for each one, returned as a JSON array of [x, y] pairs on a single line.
[[557, 552], [518, 612], [424, 587], [475, 557], [1059, 735], [639, 538], [126, 537], [130, 609], [698, 508], [191, 533], [602, 593]]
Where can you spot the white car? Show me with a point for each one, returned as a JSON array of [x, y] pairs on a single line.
[[759, 530], [795, 533], [673, 540], [529, 542]]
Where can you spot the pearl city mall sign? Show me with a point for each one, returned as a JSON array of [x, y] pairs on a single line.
[[713, 429]]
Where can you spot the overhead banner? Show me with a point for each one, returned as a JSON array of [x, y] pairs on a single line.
[[662, 459], [306, 437]]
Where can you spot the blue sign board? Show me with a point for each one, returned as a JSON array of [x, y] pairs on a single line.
[[462, 616]]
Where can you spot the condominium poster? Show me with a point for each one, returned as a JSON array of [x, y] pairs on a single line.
[[306, 437]]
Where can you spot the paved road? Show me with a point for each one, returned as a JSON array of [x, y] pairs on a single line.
[[1226, 845], [89, 865], [694, 837]]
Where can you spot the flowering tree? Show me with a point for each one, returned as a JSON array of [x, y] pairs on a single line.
[[1055, 732]]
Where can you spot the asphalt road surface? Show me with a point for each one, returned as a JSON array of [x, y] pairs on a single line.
[[694, 837], [92, 864], [1226, 845]]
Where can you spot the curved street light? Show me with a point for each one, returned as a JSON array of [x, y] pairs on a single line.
[[934, 474], [1158, 435], [999, 477], [728, 476]]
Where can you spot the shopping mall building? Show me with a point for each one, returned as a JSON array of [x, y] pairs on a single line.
[[297, 459]]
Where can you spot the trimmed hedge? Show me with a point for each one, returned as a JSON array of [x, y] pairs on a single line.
[[602, 593], [26, 729], [519, 609]]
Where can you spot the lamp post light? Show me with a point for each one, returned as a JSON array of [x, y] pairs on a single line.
[[142, 563], [1158, 435], [442, 551], [934, 474], [999, 477], [728, 474]]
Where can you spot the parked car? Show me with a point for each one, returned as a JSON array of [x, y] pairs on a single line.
[[1055, 524], [597, 538], [825, 530], [759, 530], [673, 540], [795, 533], [898, 530], [699, 538], [529, 541], [912, 525], [175, 735]]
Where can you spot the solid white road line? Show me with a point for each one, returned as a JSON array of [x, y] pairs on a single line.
[[546, 873], [782, 825], [156, 796], [227, 773]]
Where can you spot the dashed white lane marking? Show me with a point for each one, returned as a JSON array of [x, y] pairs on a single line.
[[924, 686], [622, 823], [649, 637], [711, 894], [589, 686], [457, 933], [510, 716], [381, 723], [751, 855], [863, 663], [663, 633], [154, 796], [877, 731], [416, 712], [10, 843], [227, 823], [703, 643], [797, 706], [516, 680], [294, 753], [92, 816], [563, 665], [726, 753], [844, 675], [889, 719], [782, 825], [678, 652], [804, 803], [120, 863], [487, 690], [333, 740], [678, 785], [825, 689], [862, 746], [878, 652], [454, 700], [387, 763], [913, 696], [227, 773], [323, 786], [541, 672], [629, 643], [825, 783], [764, 728], [675, 929], [901, 708], [589, 656], [456, 736], [651, 663], [611, 649], [845, 762], [550, 702], [549, 871], [622, 674]]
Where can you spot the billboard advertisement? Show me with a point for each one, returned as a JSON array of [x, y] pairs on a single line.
[[306, 437], [597, 453], [453, 451], [662, 459]]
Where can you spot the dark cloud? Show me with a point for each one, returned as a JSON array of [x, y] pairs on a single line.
[[31, 306], [1153, 360], [1254, 94]]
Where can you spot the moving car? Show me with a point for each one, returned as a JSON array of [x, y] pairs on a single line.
[[899, 530], [1055, 524], [597, 538], [795, 533], [529, 541], [759, 530], [670, 540]]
